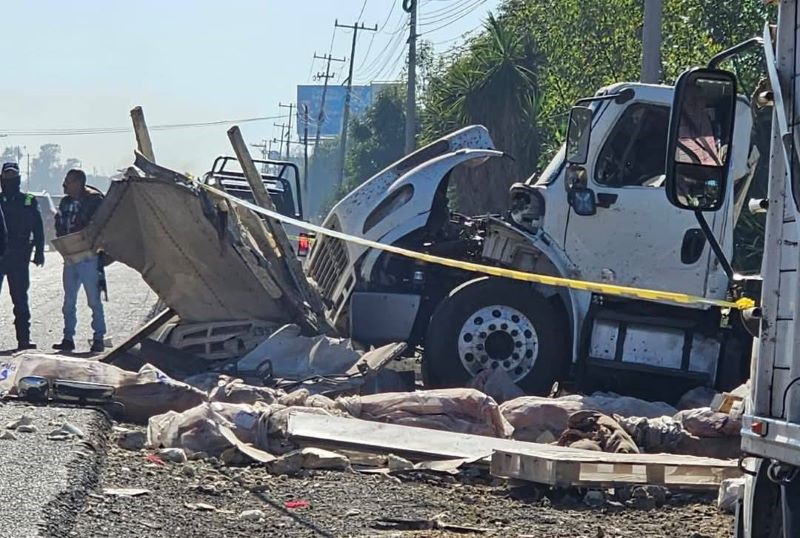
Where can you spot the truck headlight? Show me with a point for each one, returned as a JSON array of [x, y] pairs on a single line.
[[527, 207]]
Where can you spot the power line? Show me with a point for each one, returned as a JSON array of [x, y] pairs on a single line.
[[117, 130], [390, 68], [453, 21], [465, 36], [389, 51], [372, 40], [453, 15], [389, 16], [366, 55], [363, 7], [446, 9]]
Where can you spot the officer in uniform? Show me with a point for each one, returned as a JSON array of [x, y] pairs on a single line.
[[25, 237]]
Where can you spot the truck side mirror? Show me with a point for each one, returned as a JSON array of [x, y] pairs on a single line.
[[700, 137], [579, 133], [582, 201]]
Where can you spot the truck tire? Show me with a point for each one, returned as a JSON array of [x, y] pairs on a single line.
[[496, 323]]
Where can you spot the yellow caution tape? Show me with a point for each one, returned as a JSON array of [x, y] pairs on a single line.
[[595, 287]]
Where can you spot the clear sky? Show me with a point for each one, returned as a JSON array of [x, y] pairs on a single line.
[[85, 63]]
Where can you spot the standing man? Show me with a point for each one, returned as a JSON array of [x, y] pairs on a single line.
[[74, 213], [25, 236]]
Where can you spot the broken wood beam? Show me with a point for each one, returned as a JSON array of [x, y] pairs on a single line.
[[146, 330], [275, 228], [142, 134]]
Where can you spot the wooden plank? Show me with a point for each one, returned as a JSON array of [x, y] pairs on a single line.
[[146, 330], [284, 250], [534, 462], [142, 134]]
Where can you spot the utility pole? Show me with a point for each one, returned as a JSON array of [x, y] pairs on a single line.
[[410, 7], [263, 147], [305, 156], [290, 106], [651, 42], [283, 127], [325, 76], [346, 114]]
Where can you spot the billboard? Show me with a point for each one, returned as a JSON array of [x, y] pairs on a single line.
[[331, 124]]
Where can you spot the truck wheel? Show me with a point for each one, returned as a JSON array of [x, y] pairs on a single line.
[[495, 323]]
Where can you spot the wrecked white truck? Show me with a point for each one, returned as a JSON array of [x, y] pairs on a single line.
[[599, 214]]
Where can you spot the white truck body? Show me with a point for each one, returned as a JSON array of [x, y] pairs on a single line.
[[635, 238]]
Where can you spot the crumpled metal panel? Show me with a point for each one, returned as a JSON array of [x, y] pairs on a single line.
[[193, 249]]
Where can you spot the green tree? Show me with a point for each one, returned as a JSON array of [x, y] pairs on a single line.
[[46, 169], [12, 154], [494, 83], [572, 48], [377, 138]]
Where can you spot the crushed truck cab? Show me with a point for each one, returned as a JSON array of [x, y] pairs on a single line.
[[604, 220]]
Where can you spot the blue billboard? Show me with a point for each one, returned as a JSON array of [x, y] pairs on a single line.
[[331, 124]]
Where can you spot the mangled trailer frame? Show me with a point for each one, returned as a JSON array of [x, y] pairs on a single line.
[[211, 261]]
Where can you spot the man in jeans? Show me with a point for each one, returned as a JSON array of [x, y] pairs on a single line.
[[74, 213]]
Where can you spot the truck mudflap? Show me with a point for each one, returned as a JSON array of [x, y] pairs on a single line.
[[790, 493]]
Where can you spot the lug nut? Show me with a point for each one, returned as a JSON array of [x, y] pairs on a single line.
[[496, 313]]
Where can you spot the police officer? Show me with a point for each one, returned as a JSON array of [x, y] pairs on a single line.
[[25, 236]]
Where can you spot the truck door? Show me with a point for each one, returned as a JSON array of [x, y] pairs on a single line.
[[637, 238]]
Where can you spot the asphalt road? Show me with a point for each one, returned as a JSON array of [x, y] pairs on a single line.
[[43, 483], [129, 301]]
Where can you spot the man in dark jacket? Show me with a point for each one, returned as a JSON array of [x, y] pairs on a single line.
[[25, 236], [74, 213]]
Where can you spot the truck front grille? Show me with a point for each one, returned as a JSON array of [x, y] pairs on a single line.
[[328, 262]]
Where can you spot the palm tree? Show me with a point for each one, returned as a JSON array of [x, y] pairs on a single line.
[[495, 85]]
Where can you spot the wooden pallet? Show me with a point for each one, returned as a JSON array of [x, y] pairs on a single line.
[[564, 467], [545, 464]]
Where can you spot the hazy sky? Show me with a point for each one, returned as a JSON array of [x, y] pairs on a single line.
[[85, 63]]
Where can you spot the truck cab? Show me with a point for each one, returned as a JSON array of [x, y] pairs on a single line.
[[282, 181], [603, 218]]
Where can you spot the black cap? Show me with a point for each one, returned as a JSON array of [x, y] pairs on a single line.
[[10, 169]]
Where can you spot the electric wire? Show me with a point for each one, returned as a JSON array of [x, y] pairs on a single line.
[[443, 11], [453, 17], [116, 130], [453, 21]]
